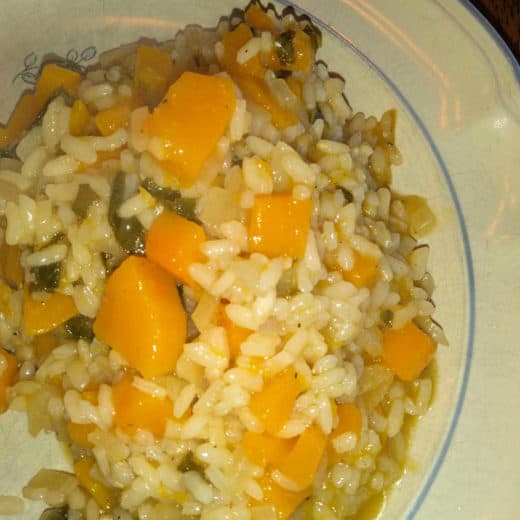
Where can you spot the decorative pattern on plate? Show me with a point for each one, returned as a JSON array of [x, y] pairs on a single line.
[[74, 59]]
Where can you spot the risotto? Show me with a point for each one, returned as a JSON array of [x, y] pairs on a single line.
[[209, 290]]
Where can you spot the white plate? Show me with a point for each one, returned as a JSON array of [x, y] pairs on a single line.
[[456, 87]]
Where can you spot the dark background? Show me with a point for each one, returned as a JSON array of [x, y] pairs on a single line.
[[504, 15]]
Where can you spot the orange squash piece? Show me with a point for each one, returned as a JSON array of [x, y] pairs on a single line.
[[301, 463], [274, 404], [284, 501], [153, 73], [108, 121], [52, 78], [135, 409], [40, 317], [264, 450], [364, 271], [141, 316], [407, 351], [232, 41], [236, 335], [349, 420], [189, 122], [79, 116], [257, 91], [279, 225], [105, 497], [173, 242], [258, 18], [7, 377]]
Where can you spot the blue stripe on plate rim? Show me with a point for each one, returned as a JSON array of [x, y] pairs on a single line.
[[464, 233]]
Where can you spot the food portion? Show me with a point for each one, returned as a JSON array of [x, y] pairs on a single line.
[[209, 290]]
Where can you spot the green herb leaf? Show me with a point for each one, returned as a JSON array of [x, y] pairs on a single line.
[[284, 47], [46, 277], [86, 196], [188, 463], [79, 327], [55, 513], [128, 231], [172, 200]]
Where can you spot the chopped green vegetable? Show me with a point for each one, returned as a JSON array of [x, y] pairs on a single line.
[[287, 285], [191, 329], [79, 327], [315, 35], [86, 196], [128, 231], [284, 47], [283, 74], [316, 114], [172, 200], [46, 277], [349, 198], [55, 513], [8, 153], [387, 317], [188, 463], [159, 192]]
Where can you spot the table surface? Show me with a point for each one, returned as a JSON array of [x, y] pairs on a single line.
[[504, 15]]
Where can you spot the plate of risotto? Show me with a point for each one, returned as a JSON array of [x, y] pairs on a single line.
[[236, 242]]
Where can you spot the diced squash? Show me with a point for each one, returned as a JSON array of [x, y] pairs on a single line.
[[141, 316], [105, 497], [349, 420], [303, 54], [52, 78], [79, 433], [153, 73], [301, 463], [11, 268], [232, 41], [407, 351], [189, 122], [279, 225], [236, 335], [274, 404], [173, 242], [110, 120], [257, 91], [44, 344], [7, 376], [364, 271], [135, 409], [79, 116], [258, 18], [284, 501], [265, 450], [40, 317]]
